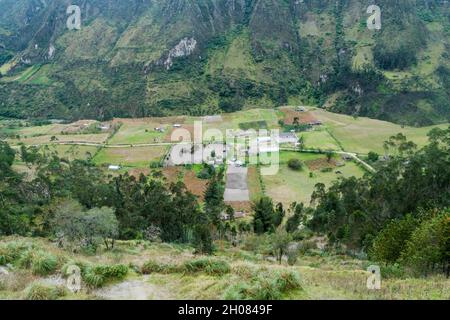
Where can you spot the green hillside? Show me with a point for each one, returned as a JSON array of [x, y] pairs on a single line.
[[232, 55]]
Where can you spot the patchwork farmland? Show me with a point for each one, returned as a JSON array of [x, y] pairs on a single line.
[[141, 145]]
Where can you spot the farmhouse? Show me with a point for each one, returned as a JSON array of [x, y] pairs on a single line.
[[288, 137]]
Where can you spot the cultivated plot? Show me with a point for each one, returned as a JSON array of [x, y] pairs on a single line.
[[140, 157]]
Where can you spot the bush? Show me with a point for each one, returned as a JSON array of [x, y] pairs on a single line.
[[11, 252], [38, 291], [392, 271], [295, 164], [210, 266], [292, 255], [255, 243], [44, 263], [288, 280], [79, 264], [391, 241], [40, 262], [427, 249], [97, 276], [373, 156], [306, 246], [5, 255], [154, 267], [93, 279], [265, 286]]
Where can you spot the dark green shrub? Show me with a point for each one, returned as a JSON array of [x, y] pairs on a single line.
[[11, 252], [265, 286], [44, 263], [38, 291], [40, 262], [427, 251], [154, 267], [292, 255], [295, 164], [391, 241], [209, 266], [93, 279], [97, 276]]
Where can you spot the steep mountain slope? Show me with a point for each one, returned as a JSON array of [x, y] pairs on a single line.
[[141, 57]]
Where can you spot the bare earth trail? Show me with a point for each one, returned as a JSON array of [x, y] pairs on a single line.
[[136, 289]]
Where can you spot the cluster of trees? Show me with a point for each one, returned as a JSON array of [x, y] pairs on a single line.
[[391, 58], [76, 202], [390, 212], [269, 218], [399, 215]]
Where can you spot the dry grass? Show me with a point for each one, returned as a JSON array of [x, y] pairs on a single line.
[[322, 277]]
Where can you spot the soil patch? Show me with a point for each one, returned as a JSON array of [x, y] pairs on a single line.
[[304, 117], [138, 289], [319, 164]]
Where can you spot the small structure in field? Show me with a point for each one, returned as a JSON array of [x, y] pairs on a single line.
[[288, 137], [114, 168], [347, 157], [315, 123]]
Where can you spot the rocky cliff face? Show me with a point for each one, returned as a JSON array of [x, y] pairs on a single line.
[[142, 57]]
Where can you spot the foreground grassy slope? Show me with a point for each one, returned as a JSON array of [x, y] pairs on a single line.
[[321, 275]]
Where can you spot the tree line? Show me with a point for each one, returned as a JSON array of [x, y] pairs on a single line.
[[398, 215]]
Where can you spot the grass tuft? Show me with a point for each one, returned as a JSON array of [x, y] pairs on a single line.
[[38, 291]]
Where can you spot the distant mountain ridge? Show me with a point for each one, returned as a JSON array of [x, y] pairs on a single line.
[[139, 58]]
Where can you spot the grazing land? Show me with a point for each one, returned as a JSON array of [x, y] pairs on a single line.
[[362, 135], [289, 186]]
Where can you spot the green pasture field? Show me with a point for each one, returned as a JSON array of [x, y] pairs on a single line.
[[297, 186], [363, 135]]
